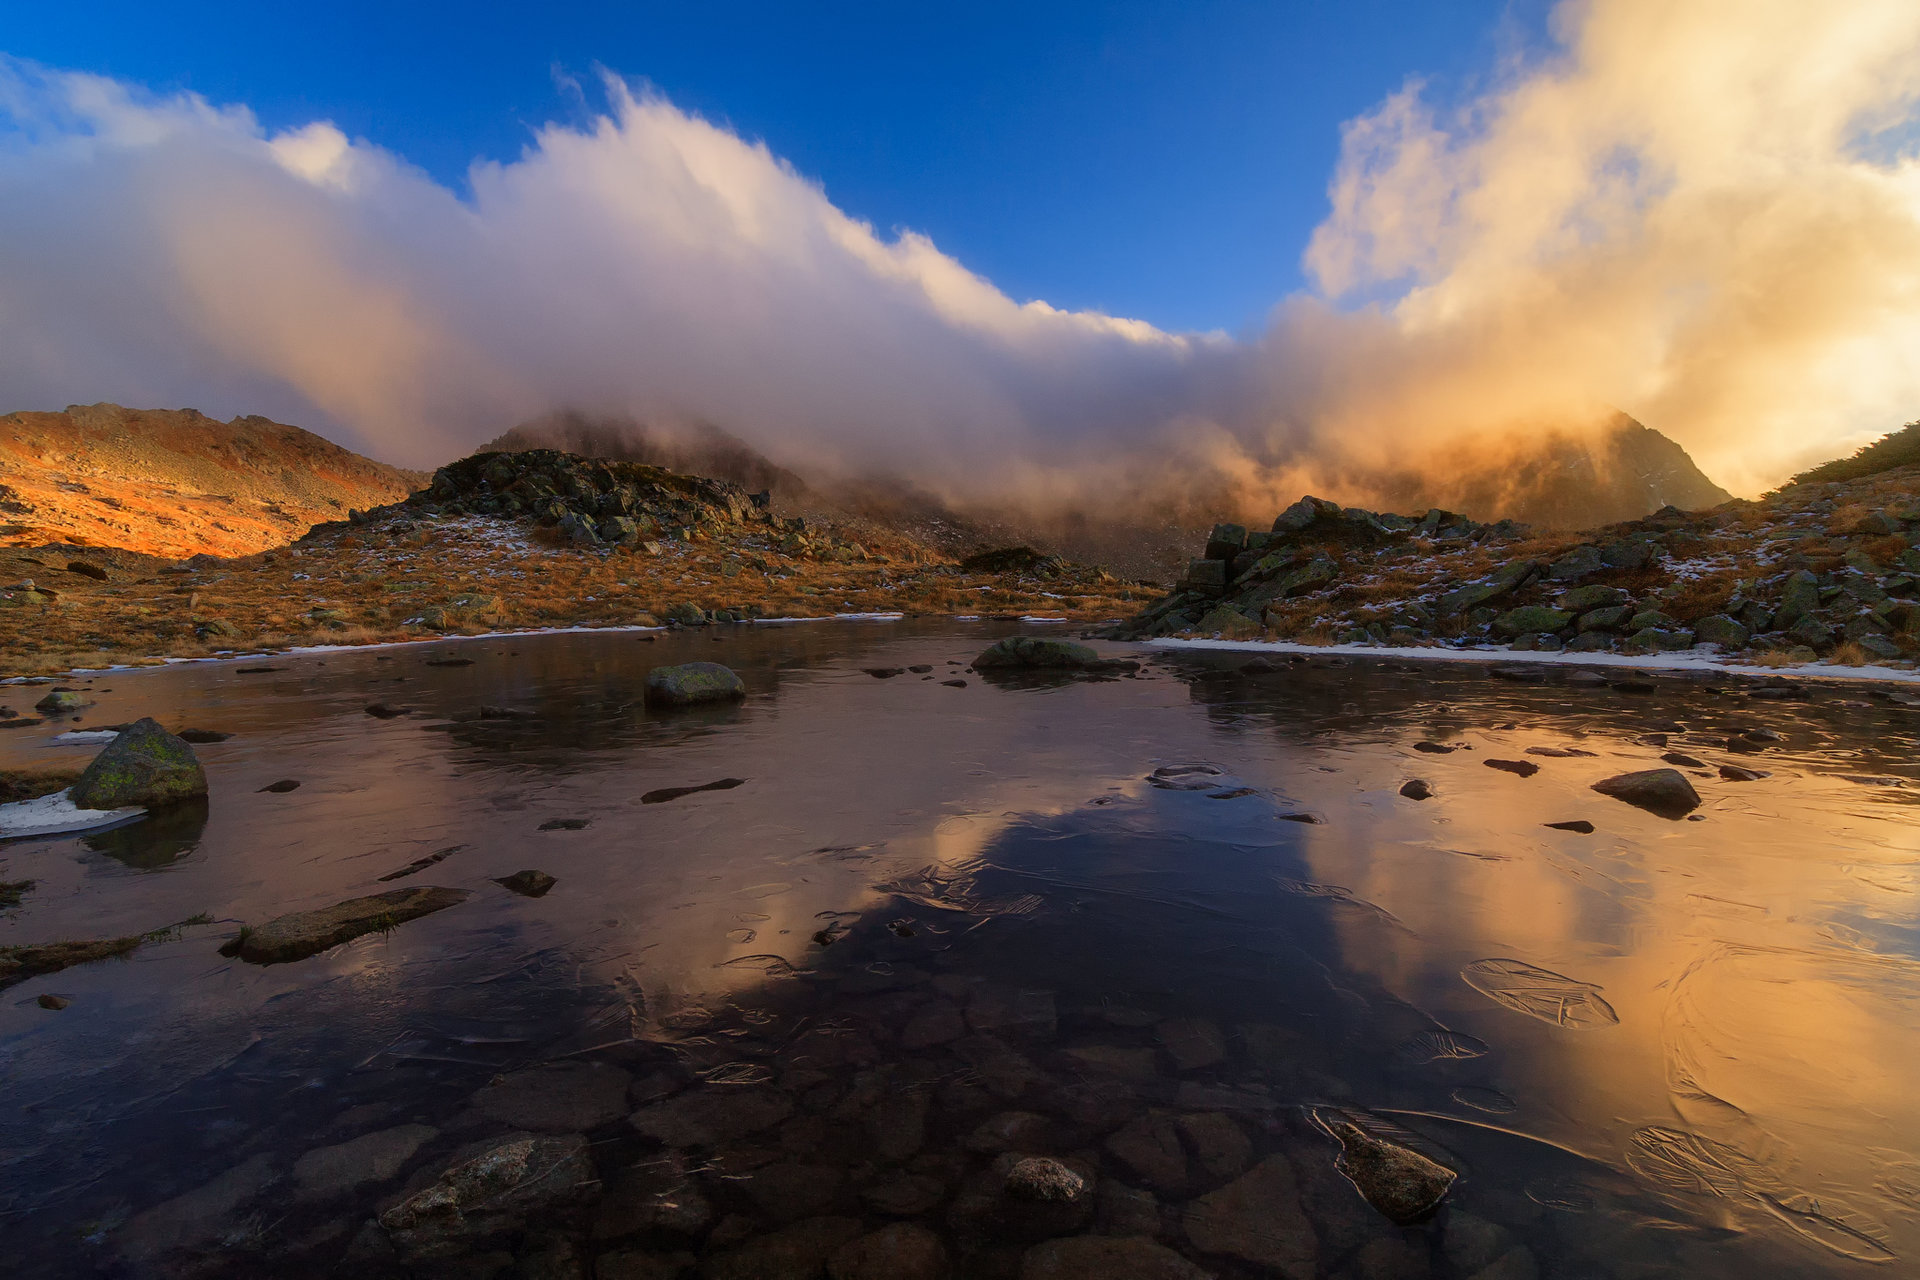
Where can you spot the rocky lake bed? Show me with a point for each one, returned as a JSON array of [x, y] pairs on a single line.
[[878, 956]]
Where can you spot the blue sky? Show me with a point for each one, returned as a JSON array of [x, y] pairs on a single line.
[[1160, 161]]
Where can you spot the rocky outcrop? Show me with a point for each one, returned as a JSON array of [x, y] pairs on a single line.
[[591, 502], [1802, 573]]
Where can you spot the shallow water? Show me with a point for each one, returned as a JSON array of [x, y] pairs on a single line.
[[1663, 1046]]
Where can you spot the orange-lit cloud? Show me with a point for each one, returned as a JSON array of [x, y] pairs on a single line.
[[1708, 215]]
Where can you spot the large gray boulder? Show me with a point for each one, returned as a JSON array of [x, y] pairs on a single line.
[[144, 767], [692, 683]]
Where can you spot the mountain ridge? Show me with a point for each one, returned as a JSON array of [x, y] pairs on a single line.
[[175, 482]]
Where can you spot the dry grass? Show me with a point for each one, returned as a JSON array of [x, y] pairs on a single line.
[[1848, 653], [1699, 597], [472, 576], [1774, 658]]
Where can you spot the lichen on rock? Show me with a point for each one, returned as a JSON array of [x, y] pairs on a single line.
[[145, 766]]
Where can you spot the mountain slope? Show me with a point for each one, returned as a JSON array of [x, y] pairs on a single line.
[[1565, 481], [175, 482], [1896, 449]]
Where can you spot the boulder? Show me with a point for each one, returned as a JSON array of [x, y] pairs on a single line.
[[1661, 640], [686, 614], [1108, 1258], [1311, 576], [1880, 647], [1812, 632], [1303, 513], [1506, 580], [1799, 596], [1037, 652], [1229, 623], [1581, 599], [693, 683], [305, 933], [1717, 628], [62, 702], [1665, 792], [145, 766], [1531, 619], [1628, 553], [1576, 564], [1208, 577], [1610, 617], [1226, 541], [1651, 618]]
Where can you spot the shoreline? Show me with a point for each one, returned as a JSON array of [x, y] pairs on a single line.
[[1670, 662]]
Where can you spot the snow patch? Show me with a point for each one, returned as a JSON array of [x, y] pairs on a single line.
[[1693, 661], [57, 814]]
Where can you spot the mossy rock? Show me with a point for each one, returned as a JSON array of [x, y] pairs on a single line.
[[1230, 623], [1036, 651], [692, 683], [145, 766], [687, 614], [1531, 620], [62, 702]]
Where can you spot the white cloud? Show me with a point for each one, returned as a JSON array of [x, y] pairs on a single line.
[[1701, 213]]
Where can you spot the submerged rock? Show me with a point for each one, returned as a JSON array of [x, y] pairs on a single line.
[[1398, 1181], [712, 1117], [1037, 651], [1665, 792], [305, 933], [560, 1097], [1044, 1178], [1416, 789], [145, 766], [326, 1172], [901, 1251], [798, 1252], [491, 1193], [1257, 1218], [1107, 1258], [692, 683]]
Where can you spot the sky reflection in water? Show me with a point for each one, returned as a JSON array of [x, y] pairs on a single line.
[[1746, 1108]]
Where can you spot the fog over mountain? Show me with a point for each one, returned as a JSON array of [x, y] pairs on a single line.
[[1730, 255]]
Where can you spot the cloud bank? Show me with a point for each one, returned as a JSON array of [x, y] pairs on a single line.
[[1707, 214]]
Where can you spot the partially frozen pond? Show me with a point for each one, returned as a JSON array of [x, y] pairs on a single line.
[[844, 955]]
